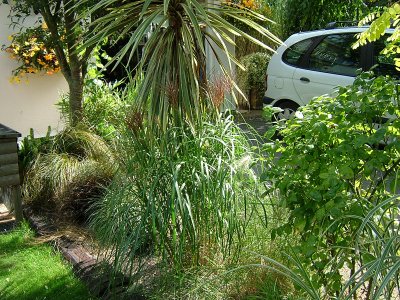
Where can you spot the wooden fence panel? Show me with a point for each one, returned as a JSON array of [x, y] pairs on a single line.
[[9, 180], [8, 147], [10, 169], [10, 158]]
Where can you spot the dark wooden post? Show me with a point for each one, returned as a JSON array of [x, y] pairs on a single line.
[[9, 171]]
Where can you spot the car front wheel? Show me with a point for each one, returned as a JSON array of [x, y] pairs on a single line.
[[289, 109]]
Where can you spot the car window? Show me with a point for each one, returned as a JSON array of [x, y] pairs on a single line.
[[295, 52], [384, 63], [335, 55]]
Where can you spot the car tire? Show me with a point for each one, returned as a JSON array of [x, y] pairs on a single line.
[[289, 109]]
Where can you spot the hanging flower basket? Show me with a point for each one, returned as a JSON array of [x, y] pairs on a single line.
[[32, 49]]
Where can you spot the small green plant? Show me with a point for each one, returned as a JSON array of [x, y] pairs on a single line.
[[339, 157], [30, 147]]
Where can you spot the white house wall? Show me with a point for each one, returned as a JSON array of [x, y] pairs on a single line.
[[27, 105]]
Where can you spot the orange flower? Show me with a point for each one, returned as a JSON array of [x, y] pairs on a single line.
[[31, 70], [48, 57]]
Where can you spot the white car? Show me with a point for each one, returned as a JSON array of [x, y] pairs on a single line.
[[314, 63]]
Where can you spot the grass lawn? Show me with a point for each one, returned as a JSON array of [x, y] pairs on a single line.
[[31, 271]]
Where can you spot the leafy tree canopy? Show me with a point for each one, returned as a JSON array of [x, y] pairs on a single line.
[[298, 15], [382, 20]]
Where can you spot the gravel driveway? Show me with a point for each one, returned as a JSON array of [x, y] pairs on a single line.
[[254, 119]]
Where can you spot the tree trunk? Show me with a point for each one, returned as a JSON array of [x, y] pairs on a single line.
[[75, 85], [62, 17], [254, 100], [75, 82]]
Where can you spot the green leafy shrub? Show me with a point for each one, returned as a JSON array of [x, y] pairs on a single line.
[[104, 106], [253, 78], [183, 193], [335, 161], [292, 16], [376, 240]]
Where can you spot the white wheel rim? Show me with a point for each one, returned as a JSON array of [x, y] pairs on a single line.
[[286, 114]]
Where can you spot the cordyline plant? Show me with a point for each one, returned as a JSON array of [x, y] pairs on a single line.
[[174, 54], [66, 31]]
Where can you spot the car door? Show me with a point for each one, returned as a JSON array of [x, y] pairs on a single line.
[[329, 64]]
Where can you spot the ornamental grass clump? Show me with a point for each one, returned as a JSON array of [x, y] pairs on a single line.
[[71, 174], [188, 190]]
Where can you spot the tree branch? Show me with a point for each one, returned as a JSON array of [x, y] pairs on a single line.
[[57, 7], [395, 164], [52, 25], [85, 58], [69, 18]]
